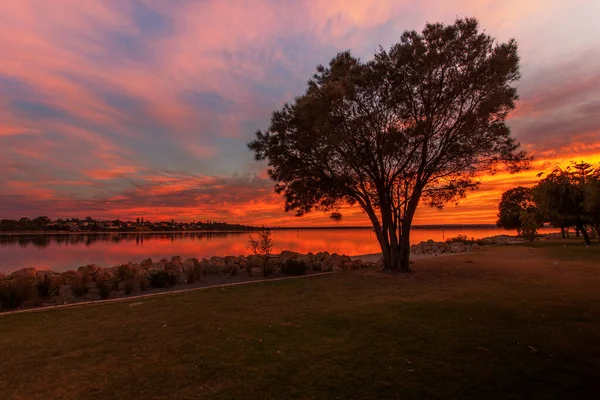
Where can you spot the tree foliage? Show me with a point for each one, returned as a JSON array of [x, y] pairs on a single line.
[[419, 122], [568, 197], [262, 244], [514, 202]]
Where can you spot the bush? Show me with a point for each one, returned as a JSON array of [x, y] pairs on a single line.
[[47, 288], [234, 270], [249, 269], [79, 289], [294, 267], [103, 289], [115, 283], [14, 293], [162, 279], [128, 286], [461, 239]]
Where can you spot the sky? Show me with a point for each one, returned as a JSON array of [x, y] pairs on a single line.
[[125, 109]]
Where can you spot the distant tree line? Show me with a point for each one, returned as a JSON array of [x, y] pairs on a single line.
[[566, 198], [45, 224]]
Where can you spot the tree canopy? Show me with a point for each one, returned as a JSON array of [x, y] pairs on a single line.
[[419, 121], [514, 203], [568, 197]]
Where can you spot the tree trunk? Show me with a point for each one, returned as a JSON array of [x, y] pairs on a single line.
[[586, 237], [597, 228], [562, 231]]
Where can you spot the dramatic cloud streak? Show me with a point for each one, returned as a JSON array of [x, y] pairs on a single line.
[[128, 108]]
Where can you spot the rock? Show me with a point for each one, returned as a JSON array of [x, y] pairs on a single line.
[[177, 259], [105, 275], [72, 277], [346, 266], [146, 263], [258, 262], [25, 275], [89, 271], [287, 255], [320, 256], [173, 267], [458, 247], [56, 280], [125, 271], [230, 260], [317, 266]]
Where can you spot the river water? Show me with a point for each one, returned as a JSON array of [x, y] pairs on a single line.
[[61, 252]]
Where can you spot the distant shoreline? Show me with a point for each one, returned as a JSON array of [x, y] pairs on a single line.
[[283, 228]]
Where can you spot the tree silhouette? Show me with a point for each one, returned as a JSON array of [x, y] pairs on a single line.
[[418, 122]]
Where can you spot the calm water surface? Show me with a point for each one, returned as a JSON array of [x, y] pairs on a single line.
[[68, 251]]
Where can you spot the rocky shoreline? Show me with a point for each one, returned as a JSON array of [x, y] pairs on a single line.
[[29, 287]]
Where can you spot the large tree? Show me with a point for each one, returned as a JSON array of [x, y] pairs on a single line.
[[418, 122], [561, 196], [513, 204]]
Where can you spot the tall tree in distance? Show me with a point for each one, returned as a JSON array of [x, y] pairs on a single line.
[[560, 197], [419, 122], [514, 203]]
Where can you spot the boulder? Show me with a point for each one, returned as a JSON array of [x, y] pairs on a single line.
[[146, 263], [177, 259], [287, 255], [24, 275], [72, 277], [458, 247], [346, 266], [105, 275], [230, 260], [259, 262], [89, 271], [173, 267]]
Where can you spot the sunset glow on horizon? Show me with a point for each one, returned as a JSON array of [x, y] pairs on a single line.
[[126, 109]]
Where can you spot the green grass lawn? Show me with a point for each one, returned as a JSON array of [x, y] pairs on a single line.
[[503, 322]]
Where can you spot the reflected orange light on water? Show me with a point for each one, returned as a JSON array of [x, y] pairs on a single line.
[[64, 252]]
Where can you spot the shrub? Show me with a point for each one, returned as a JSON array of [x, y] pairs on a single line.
[[249, 269], [47, 287], [128, 286], [79, 289], [234, 270], [263, 244], [161, 279], [115, 283], [294, 267], [103, 289], [13, 293], [461, 239]]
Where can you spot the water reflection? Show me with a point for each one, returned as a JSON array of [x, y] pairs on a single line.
[[61, 252], [88, 239]]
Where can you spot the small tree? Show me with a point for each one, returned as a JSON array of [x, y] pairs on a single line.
[[418, 122], [510, 209], [262, 245]]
